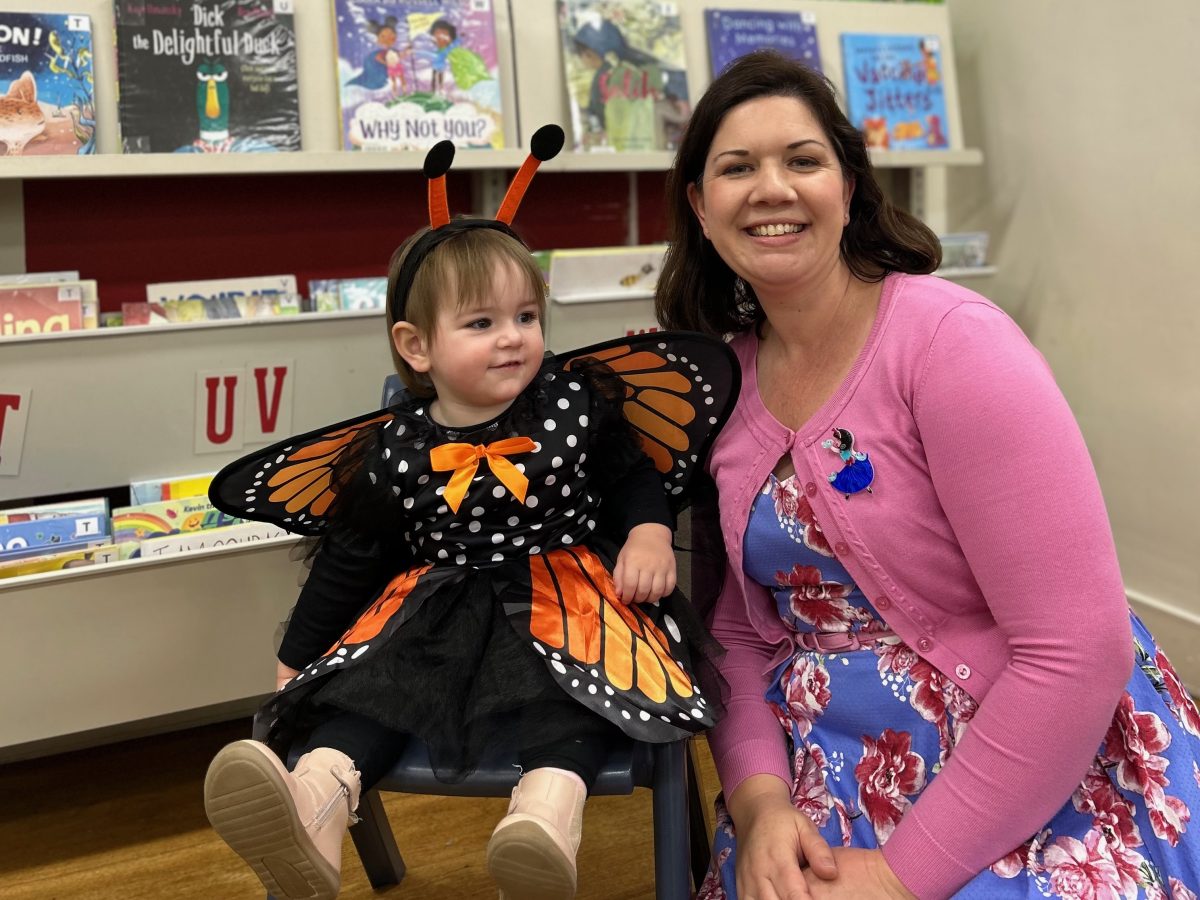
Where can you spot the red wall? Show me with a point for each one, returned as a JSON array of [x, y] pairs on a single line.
[[127, 232]]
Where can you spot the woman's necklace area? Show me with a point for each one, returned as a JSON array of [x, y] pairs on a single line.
[[793, 400]]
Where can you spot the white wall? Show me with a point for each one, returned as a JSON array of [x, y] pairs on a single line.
[[1088, 114]]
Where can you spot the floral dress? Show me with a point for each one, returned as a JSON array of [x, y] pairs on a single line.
[[870, 728]]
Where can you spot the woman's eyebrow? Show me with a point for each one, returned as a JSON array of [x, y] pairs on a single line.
[[794, 145]]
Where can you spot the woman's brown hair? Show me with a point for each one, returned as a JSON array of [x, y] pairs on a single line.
[[696, 290]]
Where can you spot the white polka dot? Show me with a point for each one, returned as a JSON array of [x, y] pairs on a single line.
[[566, 539], [443, 509], [566, 490], [537, 446], [520, 467], [583, 457], [591, 523], [549, 425], [460, 559], [556, 462], [372, 476], [539, 648], [474, 526], [497, 557], [387, 453], [595, 674], [498, 491], [574, 682], [441, 490], [536, 526], [574, 385], [436, 535], [644, 716], [625, 714], [442, 554], [360, 651], [563, 403], [408, 502], [534, 551], [497, 539], [572, 440], [424, 479], [518, 541], [591, 689], [531, 501], [583, 420], [478, 511], [672, 628], [608, 690], [513, 521], [697, 714], [608, 704], [342, 651], [549, 480]]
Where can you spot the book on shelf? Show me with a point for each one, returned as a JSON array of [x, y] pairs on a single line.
[[37, 277], [626, 74], [964, 250], [91, 506], [733, 33], [40, 536], [51, 307], [895, 90], [227, 536], [324, 295], [605, 273], [67, 559], [415, 72], [363, 293], [221, 288], [177, 487], [207, 76], [47, 90], [187, 514]]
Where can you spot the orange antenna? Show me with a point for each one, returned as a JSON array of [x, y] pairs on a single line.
[[544, 145], [437, 163]]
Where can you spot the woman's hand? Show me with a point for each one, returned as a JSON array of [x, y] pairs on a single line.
[[861, 875], [775, 841], [283, 674], [645, 568]]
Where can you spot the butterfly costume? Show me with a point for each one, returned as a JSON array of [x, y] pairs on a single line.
[[474, 564]]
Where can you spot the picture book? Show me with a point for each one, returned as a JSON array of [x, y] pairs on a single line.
[[895, 90], [135, 523], [207, 76], [324, 295], [626, 75], [217, 288], [47, 96], [415, 72], [605, 273], [137, 313], [37, 277], [363, 293], [67, 559], [43, 535], [41, 309], [155, 490], [229, 536], [736, 32], [94, 506]]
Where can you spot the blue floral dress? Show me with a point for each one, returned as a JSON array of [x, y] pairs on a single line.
[[870, 728]]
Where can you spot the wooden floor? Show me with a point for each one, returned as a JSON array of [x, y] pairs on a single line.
[[127, 821]]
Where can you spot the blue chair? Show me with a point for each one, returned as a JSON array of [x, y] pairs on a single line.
[[681, 848]]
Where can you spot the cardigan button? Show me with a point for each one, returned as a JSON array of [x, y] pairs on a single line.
[[811, 489], [841, 548], [883, 603], [924, 645], [962, 671]]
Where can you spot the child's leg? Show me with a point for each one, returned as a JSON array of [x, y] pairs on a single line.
[[531, 854], [289, 826]]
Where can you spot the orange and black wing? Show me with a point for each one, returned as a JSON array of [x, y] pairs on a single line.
[[291, 483], [679, 390], [625, 663]]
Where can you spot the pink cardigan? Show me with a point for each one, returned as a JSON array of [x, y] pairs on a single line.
[[984, 544]]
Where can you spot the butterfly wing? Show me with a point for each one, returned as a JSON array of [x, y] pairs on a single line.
[[290, 483], [626, 663], [680, 388]]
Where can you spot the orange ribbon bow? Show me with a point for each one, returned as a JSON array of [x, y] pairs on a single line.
[[464, 460]]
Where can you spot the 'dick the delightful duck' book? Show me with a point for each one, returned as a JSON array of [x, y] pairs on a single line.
[[207, 76], [47, 99]]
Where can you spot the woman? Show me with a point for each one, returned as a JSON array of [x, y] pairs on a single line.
[[920, 586]]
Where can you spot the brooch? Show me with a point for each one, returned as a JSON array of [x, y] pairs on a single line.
[[857, 473]]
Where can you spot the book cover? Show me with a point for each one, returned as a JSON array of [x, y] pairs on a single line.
[[324, 295], [38, 277], [47, 92], [135, 523], [895, 91], [67, 559], [363, 293], [216, 288], [207, 76], [415, 72], [605, 273], [92, 506], [178, 487], [232, 535], [41, 309], [42, 535], [736, 32], [626, 74]]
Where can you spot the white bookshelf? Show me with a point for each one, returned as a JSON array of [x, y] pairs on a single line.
[[110, 647]]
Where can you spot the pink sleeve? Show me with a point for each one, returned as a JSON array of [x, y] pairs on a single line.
[[748, 740], [1017, 485]]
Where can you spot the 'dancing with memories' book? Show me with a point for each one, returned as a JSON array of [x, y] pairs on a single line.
[[895, 90], [47, 100], [415, 72], [626, 75], [207, 76], [736, 32]]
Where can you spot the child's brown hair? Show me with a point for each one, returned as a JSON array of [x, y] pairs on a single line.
[[464, 264]]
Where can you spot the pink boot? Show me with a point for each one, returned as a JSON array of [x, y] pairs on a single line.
[[531, 855], [287, 825]]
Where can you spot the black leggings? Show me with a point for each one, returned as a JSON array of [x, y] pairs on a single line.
[[582, 749]]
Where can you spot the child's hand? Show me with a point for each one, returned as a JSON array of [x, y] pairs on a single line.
[[283, 674], [645, 567]]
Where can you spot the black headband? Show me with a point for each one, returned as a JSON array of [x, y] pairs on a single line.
[[425, 245]]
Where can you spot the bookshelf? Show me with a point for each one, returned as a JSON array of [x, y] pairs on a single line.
[[114, 648]]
